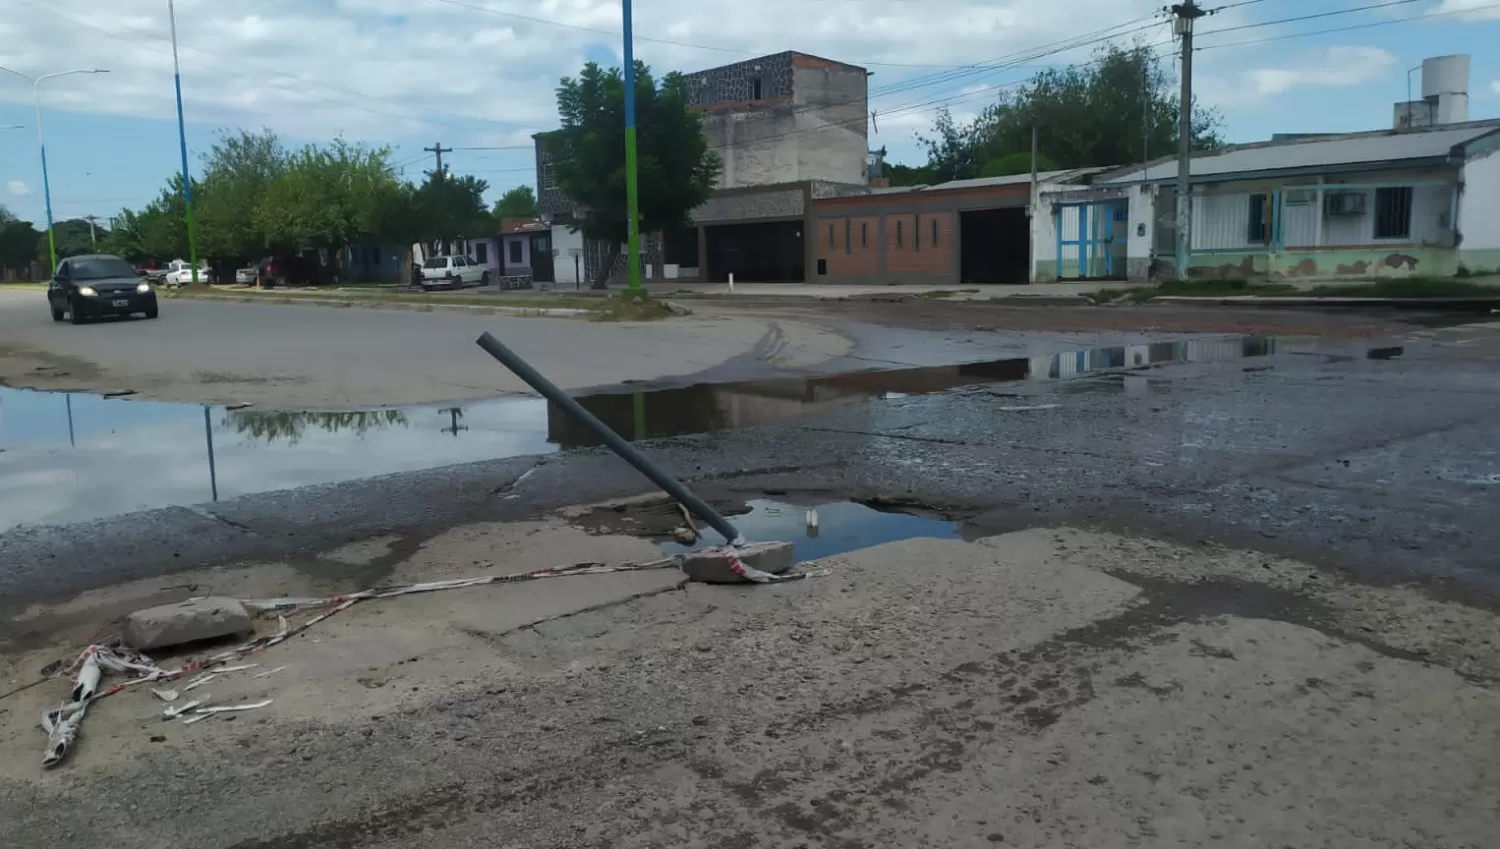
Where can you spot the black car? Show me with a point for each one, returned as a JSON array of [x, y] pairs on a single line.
[[98, 285]]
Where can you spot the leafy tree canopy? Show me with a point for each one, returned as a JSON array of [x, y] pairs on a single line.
[[1116, 110], [675, 169], [519, 202]]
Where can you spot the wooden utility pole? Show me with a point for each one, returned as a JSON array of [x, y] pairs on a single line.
[[438, 150]]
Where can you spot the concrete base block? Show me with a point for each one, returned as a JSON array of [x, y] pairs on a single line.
[[710, 566], [186, 622]]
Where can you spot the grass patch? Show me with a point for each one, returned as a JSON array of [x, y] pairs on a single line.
[[1192, 289], [616, 307], [1407, 287], [939, 294]]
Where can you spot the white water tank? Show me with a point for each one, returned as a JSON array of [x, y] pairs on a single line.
[[1445, 85]]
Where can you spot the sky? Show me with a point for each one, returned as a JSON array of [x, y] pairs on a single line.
[[483, 73]]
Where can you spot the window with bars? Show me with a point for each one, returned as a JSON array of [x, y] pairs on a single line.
[[830, 235], [1393, 212], [934, 232], [916, 232], [898, 234], [848, 233], [864, 234]]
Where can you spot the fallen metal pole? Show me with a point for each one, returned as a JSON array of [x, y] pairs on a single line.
[[614, 441]]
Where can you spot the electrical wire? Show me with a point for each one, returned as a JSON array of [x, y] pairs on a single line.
[[1352, 9], [1408, 19]]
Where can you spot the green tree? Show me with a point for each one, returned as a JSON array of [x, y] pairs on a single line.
[[237, 172], [1015, 163], [73, 237], [1107, 112], [327, 197], [450, 208], [18, 241], [519, 202], [675, 168]]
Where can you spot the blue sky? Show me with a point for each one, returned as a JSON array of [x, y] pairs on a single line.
[[481, 73]]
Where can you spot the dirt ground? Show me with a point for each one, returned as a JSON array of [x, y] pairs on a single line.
[[1050, 687]]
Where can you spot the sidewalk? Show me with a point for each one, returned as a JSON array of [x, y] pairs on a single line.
[[839, 291]]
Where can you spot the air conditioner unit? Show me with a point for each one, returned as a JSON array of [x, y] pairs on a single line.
[[1344, 203]]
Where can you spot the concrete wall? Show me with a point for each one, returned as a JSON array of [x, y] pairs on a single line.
[[512, 247], [1479, 215], [1132, 248], [819, 132], [564, 242]]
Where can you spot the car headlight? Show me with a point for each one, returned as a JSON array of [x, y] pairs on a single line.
[[143, 288], [87, 291]]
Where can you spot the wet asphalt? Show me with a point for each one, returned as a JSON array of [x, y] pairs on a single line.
[[1382, 469]]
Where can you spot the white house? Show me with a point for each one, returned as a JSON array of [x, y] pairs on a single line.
[[1421, 199]]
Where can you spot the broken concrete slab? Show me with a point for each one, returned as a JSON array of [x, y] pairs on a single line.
[[185, 622], [710, 566]]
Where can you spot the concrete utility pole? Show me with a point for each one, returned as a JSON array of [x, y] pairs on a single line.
[[187, 181], [438, 150], [632, 188], [93, 237], [1185, 12]]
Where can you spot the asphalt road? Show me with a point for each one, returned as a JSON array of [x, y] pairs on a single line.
[[328, 358], [1382, 468]]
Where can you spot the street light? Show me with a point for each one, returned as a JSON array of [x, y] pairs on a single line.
[[36, 95]]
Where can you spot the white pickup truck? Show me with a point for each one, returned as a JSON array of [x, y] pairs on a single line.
[[180, 273]]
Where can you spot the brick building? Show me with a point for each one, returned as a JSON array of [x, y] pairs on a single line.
[[965, 231]]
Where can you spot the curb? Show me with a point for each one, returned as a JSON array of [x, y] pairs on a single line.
[[1332, 302], [498, 309]]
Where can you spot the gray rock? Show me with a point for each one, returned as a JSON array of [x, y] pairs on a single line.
[[711, 566], [186, 622]]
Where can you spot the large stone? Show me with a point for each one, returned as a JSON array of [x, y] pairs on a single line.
[[710, 566], [186, 622]]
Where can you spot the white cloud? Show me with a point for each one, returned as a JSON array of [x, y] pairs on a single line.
[[1334, 67], [18, 188], [404, 70], [1477, 10], [1495, 86]]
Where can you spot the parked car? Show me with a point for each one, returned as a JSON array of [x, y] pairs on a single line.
[[96, 286], [452, 272], [287, 270], [245, 276], [180, 273]]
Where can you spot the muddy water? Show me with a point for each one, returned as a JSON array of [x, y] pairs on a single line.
[[69, 457]]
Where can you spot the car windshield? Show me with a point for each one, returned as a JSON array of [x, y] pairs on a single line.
[[436, 262], [101, 268]]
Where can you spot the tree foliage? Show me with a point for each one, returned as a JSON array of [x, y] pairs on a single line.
[[1116, 110], [519, 202], [255, 196], [675, 168], [17, 242]]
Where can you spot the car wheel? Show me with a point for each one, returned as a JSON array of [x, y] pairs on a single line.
[[484, 279], [73, 315], [153, 312], [57, 314]]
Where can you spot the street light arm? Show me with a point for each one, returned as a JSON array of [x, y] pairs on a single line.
[[27, 77], [56, 74]]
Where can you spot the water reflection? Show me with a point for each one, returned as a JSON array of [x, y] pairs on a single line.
[[73, 457], [289, 427]]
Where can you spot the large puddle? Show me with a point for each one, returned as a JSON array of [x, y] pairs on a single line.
[[838, 527], [69, 457]]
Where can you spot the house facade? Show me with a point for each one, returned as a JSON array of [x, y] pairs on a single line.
[[964, 231], [1387, 203]]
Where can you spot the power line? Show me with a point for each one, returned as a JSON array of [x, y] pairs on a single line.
[[1372, 6], [1469, 11]]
